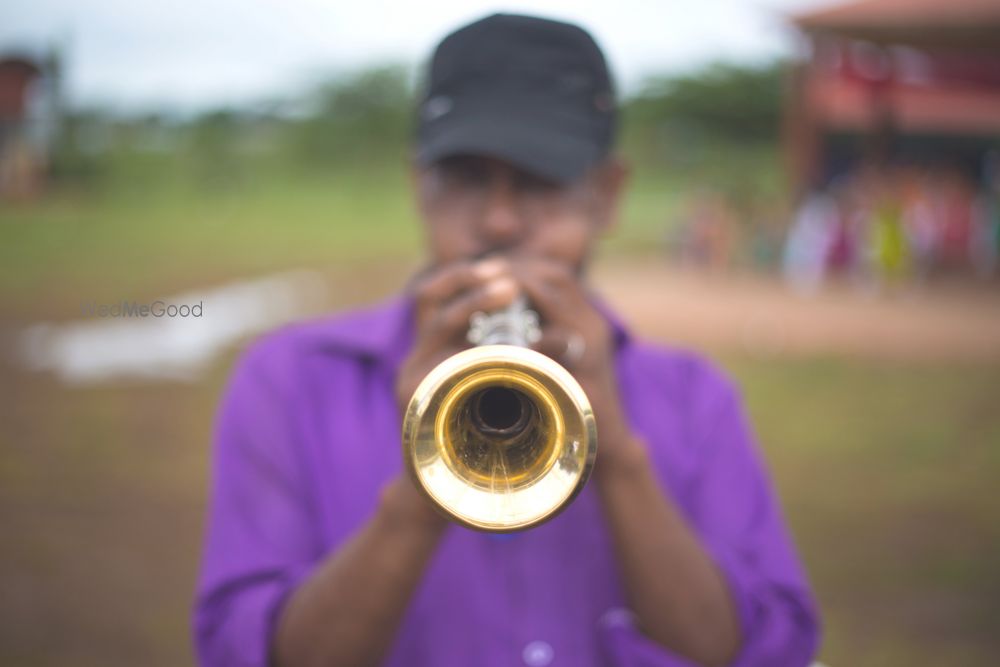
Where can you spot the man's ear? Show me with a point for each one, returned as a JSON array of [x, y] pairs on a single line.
[[611, 178], [416, 174]]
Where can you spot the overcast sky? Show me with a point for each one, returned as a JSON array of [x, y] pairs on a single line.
[[188, 55]]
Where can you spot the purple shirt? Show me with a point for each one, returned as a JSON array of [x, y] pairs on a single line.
[[308, 432]]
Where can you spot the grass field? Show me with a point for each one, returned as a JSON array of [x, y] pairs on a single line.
[[148, 229], [887, 470]]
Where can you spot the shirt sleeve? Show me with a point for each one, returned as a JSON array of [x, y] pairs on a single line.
[[736, 514], [260, 535]]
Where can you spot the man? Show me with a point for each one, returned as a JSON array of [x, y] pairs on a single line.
[[320, 551]]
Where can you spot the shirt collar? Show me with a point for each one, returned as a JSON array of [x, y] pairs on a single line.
[[619, 332], [382, 333]]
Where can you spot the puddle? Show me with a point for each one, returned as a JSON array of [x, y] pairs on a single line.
[[164, 347]]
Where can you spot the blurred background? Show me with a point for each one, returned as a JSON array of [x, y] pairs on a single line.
[[815, 204]]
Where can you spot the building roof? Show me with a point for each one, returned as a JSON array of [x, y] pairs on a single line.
[[971, 24], [16, 75]]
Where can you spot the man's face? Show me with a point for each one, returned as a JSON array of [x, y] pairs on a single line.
[[474, 206]]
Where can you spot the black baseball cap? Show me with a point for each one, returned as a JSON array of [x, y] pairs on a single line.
[[532, 91]]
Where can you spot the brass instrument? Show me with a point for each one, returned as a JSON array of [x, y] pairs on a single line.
[[500, 437]]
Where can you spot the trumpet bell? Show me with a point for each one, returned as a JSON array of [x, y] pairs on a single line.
[[499, 437]]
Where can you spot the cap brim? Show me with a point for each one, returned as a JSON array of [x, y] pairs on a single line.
[[531, 144]]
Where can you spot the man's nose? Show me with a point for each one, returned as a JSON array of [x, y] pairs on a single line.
[[502, 225]]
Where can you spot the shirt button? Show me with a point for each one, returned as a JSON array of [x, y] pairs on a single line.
[[617, 617], [537, 653]]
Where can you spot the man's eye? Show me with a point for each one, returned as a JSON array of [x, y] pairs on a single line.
[[465, 175], [530, 184]]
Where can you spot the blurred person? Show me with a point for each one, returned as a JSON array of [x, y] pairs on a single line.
[[889, 244], [765, 223], [842, 252], [709, 231], [985, 238], [319, 548], [807, 247], [919, 220], [955, 211]]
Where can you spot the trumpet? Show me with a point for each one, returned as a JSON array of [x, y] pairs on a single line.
[[500, 437]]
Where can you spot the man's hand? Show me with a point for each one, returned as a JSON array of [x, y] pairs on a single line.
[[445, 299], [574, 333], [650, 533], [579, 337]]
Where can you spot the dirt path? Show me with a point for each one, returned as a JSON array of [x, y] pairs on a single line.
[[763, 316], [755, 314]]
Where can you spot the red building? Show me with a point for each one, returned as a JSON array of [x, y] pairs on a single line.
[[27, 122], [895, 80]]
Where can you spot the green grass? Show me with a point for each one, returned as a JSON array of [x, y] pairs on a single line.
[[888, 476], [155, 234], [160, 222]]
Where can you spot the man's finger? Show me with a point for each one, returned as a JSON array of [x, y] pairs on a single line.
[[557, 303], [562, 345], [447, 282], [452, 321]]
